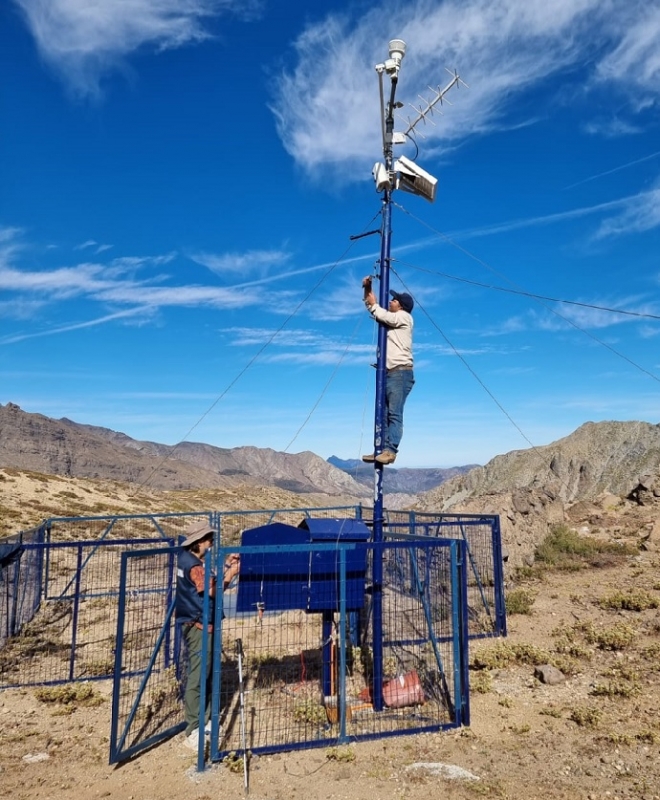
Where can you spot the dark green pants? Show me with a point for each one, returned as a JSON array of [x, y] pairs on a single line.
[[194, 637]]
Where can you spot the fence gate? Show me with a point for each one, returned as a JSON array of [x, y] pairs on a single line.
[[146, 702]]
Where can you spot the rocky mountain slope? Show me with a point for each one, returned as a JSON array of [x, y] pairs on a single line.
[[62, 447], [598, 468], [598, 457]]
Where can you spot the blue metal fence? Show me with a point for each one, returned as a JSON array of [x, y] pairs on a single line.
[[308, 671], [69, 571]]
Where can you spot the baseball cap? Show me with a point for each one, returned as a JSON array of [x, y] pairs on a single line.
[[405, 300]]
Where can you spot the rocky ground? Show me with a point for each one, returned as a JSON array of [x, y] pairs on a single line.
[[595, 733]]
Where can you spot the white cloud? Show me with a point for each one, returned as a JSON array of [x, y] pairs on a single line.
[[115, 284], [327, 106], [83, 40], [85, 245], [635, 61], [611, 128], [641, 213], [74, 326], [252, 260]]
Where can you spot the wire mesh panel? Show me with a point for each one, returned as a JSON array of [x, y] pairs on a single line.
[[72, 637], [485, 574], [20, 582], [308, 675], [481, 534], [146, 698], [124, 526]]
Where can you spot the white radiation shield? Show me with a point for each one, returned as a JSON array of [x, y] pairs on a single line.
[[414, 179]]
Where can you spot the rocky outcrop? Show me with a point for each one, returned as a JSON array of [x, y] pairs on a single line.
[[526, 517]]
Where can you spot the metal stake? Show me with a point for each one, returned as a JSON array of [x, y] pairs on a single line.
[[241, 695]]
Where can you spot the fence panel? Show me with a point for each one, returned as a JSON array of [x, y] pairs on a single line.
[[146, 694], [72, 637], [485, 589], [20, 582], [481, 534]]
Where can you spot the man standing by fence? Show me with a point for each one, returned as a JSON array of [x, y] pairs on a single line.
[[189, 606]]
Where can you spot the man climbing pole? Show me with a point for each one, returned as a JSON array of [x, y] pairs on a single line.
[[399, 364]]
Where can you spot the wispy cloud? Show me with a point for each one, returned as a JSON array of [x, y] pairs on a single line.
[[641, 213], [261, 261], [630, 214], [502, 48], [611, 128], [74, 326], [561, 317], [634, 61], [84, 40], [302, 346]]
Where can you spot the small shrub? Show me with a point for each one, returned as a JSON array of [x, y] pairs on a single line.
[[616, 689], [309, 711], [622, 673], [628, 739], [652, 652], [96, 669], [76, 694], [618, 637], [634, 600], [519, 601], [234, 762], [521, 729], [569, 666], [341, 754], [564, 549], [585, 716], [503, 654], [551, 711], [481, 683], [574, 649]]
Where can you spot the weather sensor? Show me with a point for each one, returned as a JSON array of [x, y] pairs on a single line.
[[414, 179]]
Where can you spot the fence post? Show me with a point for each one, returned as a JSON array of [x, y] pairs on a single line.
[[498, 574], [171, 572], [74, 615], [343, 738]]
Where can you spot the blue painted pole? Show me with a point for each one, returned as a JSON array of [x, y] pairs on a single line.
[[380, 412]]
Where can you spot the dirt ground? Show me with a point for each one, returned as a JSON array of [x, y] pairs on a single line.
[[595, 734]]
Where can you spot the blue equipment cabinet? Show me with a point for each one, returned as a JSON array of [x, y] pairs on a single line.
[[299, 579]]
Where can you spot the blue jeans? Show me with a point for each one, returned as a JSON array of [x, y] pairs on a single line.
[[397, 388]]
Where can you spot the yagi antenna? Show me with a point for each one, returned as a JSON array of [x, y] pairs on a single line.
[[425, 112]]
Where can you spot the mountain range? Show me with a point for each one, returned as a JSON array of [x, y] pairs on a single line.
[[597, 458]]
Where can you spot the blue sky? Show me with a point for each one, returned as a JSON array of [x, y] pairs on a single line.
[[180, 179]]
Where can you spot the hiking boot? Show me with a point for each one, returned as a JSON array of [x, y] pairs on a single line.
[[192, 740], [386, 457], [370, 458]]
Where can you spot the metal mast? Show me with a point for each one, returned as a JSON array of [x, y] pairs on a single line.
[[390, 175]]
